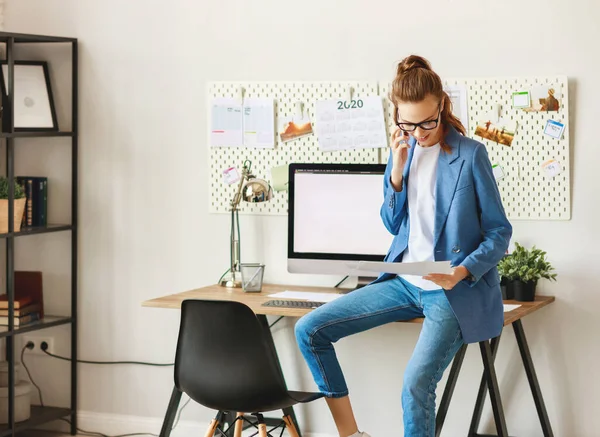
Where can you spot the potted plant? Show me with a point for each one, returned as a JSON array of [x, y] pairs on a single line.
[[521, 270], [19, 205]]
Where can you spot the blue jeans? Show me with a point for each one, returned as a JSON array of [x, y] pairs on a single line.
[[375, 305]]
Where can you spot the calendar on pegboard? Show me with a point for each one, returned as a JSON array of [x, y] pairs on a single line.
[[287, 96], [524, 124]]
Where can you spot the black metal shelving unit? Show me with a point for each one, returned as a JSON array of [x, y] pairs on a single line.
[[39, 415]]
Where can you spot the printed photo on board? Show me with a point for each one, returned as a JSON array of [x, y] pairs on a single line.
[[501, 132], [544, 99]]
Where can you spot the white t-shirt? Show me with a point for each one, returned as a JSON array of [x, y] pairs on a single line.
[[421, 210]]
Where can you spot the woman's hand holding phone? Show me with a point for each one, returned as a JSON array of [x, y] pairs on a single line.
[[400, 148]]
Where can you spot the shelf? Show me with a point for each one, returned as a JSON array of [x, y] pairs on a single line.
[[45, 134], [32, 230], [39, 416], [21, 37], [46, 322]]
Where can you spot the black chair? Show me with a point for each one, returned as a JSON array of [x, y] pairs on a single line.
[[224, 363]]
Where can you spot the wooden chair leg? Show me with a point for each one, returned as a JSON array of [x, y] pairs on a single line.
[[210, 432], [289, 425], [239, 425], [262, 430]]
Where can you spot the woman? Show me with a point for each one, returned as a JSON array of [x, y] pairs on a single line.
[[441, 203]]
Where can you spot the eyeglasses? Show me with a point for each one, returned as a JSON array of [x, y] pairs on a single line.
[[425, 125]]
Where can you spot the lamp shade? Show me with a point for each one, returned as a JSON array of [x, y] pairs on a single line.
[[257, 190]]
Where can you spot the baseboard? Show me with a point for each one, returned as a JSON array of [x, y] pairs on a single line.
[[117, 424]]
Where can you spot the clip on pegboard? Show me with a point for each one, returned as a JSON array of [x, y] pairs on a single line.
[[240, 93], [299, 106], [349, 91]]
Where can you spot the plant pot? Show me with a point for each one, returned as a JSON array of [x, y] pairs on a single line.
[[19, 209], [508, 291], [524, 291]]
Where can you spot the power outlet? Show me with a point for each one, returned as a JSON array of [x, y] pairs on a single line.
[[37, 342]]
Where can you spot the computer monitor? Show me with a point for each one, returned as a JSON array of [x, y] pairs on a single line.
[[334, 218]]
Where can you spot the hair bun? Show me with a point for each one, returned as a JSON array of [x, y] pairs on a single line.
[[411, 62]]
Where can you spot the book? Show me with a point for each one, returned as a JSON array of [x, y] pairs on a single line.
[[19, 302], [22, 310], [20, 321], [28, 290], [36, 206]]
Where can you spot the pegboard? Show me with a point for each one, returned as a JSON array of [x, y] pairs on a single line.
[[304, 149], [527, 193]]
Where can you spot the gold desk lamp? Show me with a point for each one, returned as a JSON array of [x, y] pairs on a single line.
[[250, 189]]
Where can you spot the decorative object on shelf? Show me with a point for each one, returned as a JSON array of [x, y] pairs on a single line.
[[250, 189], [22, 395], [522, 269], [36, 192], [34, 104], [19, 205]]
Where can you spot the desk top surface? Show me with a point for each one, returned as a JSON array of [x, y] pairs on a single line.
[[255, 300]]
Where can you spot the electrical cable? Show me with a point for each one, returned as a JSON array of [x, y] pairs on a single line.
[[340, 283], [44, 348], [30, 345]]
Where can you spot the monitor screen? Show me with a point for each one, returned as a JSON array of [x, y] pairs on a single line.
[[334, 217]]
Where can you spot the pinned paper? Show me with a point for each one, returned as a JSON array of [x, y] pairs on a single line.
[[552, 168], [521, 99], [226, 123], [295, 127], [545, 98], [554, 129], [259, 122], [231, 175], [279, 178], [498, 172], [502, 132]]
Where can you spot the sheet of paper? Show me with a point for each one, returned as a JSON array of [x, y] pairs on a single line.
[[555, 129], [509, 307], [458, 97], [416, 268], [306, 295], [552, 168], [355, 124], [521, 99], [259, 123], [226, 123], [498, 172]]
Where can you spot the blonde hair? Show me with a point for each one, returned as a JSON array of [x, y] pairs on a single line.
[[414, 81]]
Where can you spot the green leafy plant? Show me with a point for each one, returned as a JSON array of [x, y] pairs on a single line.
[[19, 193], [526, 265]]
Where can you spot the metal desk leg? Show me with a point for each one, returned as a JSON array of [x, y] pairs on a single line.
[[165, 431], [476, 419], [269, 337], [490, 375], [532, 378], [449, 389]]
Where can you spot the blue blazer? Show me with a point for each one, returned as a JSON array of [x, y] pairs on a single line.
[[471, 229]]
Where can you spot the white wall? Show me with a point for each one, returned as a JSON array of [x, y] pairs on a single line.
[[145, 230]]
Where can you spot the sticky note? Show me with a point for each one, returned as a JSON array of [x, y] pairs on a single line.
[[279, 178], [554, 129], [521, 99], [498, 172], [231, 175], [552, 168]]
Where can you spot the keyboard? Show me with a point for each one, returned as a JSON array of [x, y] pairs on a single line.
[[293, 303]]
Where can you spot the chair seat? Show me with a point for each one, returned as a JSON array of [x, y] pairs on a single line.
[[269, 403]]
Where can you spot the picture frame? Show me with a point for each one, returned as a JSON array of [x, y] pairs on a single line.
[[34, 109]]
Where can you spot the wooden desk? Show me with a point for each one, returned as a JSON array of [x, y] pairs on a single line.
[[488, 349], [255, 300]]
